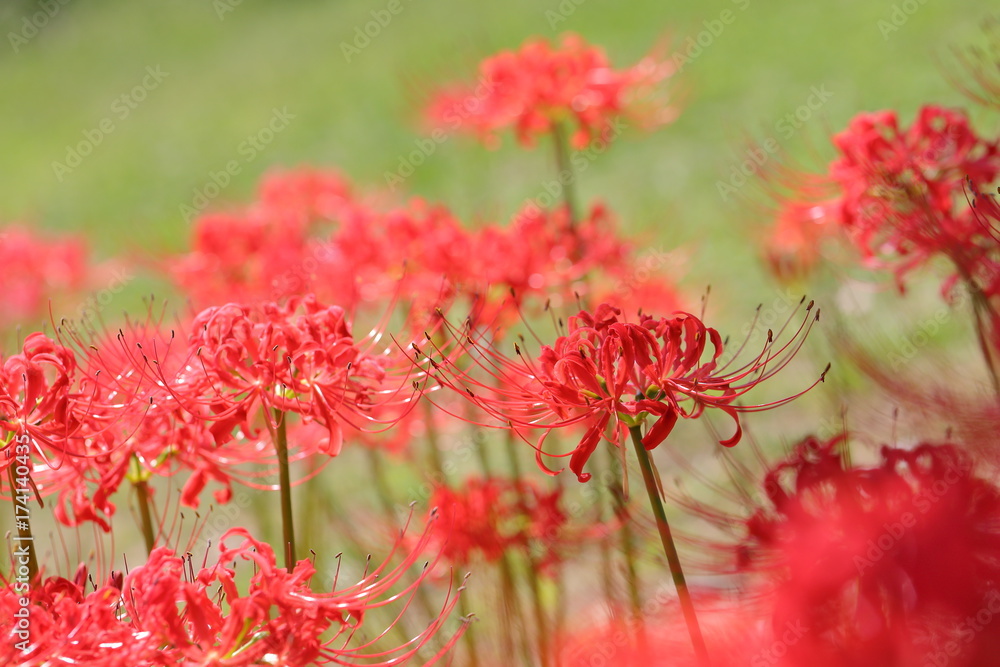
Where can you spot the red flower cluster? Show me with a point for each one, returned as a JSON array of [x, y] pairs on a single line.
[[609, 371], [538, 87], [309, 234], [884, 565], [143, 403], [35, 270], [489, 517], [166, 613], [267, 252], [298, 357], [899, 194]]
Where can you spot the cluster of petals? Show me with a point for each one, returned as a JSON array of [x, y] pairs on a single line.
[[308, 233], [489, 517], [267, 251], [885, 564], [297, 357], [609, 372], [146, 402], [70, 419], [167, 613], [900, 194], [36, 392], [540, 86], [35, 270]]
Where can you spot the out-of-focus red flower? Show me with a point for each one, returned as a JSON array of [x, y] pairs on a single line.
[[899, 193], [273, 249], [36, 270], [533, 89], [903, 190], [793, 249], [883, 565], [738, 635], [319, 196], [540, 255], [606, 371], [488, 517]]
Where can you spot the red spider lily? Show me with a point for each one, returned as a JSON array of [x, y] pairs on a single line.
[[270, 252], [298, 358], [538, 87], [488, 517], [899, 193], [886, 564], [542, 253], [272, 249], [793, 249], [166, 613], [606, 371], [902, 190], [35, 270], [135, 427], [427, 259], [318, 195], [157, 405], [38, 395]]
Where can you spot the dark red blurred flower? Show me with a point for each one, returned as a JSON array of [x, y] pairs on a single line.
[[888, 564]]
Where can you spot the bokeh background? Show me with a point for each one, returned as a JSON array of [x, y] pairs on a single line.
[[229, 64]]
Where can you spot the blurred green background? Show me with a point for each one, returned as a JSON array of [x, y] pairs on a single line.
[[228, 64]]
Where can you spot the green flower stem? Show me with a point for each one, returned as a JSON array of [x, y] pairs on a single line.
[[538, 606], [564, 166], [669, 549], [470, 632], [285, 485], [617, 490], [433, 447], [145, 515]]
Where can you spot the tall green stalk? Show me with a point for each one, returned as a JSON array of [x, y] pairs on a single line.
[[566, 175], [145, 514], [534, 584], [617, 491], [980, 304], [285, 485], [669, 549]]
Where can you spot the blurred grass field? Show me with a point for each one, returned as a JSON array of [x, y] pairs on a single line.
[[229, 64]]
